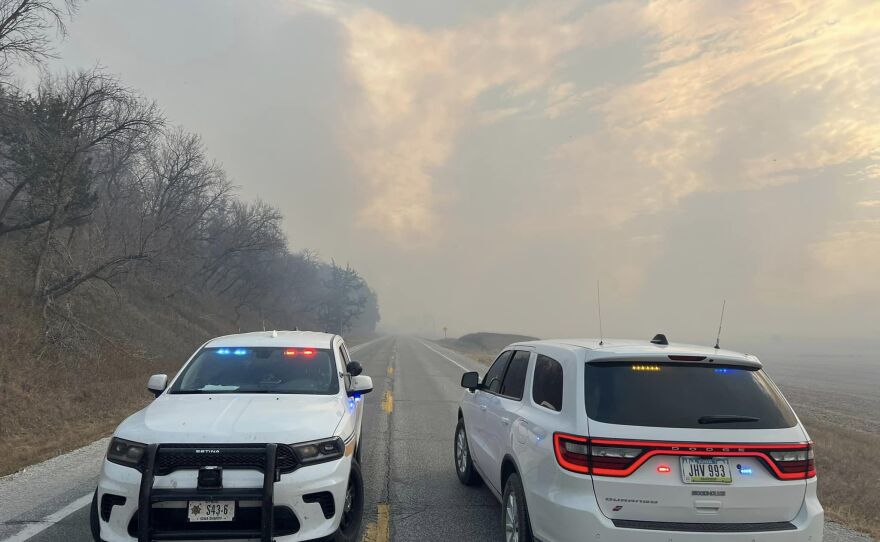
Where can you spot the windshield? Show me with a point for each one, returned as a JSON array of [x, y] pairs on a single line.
[[260, 370], [684, 395]]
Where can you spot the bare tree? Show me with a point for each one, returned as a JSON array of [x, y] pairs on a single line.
[[94, 190], [235, 238], [344, 300], [25, 26], [77, 130]]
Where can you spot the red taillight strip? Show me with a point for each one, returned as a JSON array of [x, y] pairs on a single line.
[[710, 446], [560, 458], [700, 449]]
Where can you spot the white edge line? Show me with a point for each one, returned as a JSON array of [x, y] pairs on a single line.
[[462, 367], [34, 529]]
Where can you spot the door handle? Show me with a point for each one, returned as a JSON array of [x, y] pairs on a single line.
[[505, 421], [483, 407]]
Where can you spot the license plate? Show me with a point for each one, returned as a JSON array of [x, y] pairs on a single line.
[[705, 470], [211, 511]]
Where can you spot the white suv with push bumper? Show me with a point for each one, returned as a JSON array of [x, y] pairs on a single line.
[[257, 438], [637, 441]]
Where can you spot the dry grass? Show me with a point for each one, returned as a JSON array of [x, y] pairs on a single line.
[[53, 400], [849, 485]]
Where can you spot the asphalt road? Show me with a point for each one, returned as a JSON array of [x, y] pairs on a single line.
[[412, 491]]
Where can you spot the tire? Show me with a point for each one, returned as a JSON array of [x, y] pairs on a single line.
[[352, 508], [464, 464], [94, 522], [514, 513]]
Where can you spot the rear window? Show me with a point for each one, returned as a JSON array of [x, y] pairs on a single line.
[[693, 396], [547, 385], [260, 370]]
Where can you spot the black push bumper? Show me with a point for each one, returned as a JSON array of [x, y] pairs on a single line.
[[147, 531]]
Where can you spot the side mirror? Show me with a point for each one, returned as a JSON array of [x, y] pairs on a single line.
[[354, 368], [157, 384], [360, 385], [470, 380]]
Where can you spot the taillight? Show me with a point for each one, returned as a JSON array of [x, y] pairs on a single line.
[[572, 452], [795, 463], [610, 459], [618, 458], [579, 454]]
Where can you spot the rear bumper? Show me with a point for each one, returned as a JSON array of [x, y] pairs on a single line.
[[288, 492], [564, 517]]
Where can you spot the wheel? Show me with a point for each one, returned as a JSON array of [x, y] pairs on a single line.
[[514, 514], [464, 465], [352, 508], [94, 522]]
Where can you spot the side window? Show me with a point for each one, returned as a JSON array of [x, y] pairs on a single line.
[[547, 385], [492, 380], [515, 379]]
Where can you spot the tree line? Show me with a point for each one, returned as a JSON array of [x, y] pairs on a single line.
[[98, 188]]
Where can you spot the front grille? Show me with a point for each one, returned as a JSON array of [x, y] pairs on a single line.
[[285, 459], [108, 501], [170, 458], [325, 499], [705, 527], [167, 521]]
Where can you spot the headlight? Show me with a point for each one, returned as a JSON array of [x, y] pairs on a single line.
[[126, 453], [319, 451]]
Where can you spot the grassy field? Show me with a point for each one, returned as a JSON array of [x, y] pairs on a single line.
[[845, 452], [848, 488], [54, 401]]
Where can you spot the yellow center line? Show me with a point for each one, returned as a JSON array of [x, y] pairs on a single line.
[[377, 531], [388, 402]]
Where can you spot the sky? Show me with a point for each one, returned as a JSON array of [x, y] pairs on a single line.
[[485, 165]]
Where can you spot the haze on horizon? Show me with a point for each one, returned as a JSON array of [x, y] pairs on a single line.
[[484, 164]]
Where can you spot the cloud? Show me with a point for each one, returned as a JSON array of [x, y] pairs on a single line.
[[848, 262], [622, 115], [737, 96], [420, 88]]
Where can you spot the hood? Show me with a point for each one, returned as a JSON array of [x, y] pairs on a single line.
[[234, 418]]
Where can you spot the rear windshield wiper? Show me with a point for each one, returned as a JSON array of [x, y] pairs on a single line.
[[726, 418]]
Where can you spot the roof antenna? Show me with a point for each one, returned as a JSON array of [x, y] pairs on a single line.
[[599, 304], [718, 338]]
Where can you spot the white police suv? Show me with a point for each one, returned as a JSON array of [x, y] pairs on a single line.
[[637, 441], [256, 438]]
